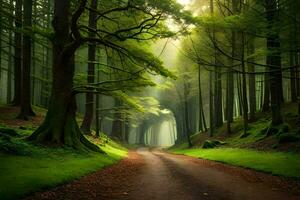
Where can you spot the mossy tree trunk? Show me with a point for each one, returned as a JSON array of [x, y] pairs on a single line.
[[60, 126]]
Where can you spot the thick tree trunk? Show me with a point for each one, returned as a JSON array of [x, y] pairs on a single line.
[[179, 126], [274, 62], [89, 99], [142, 133], [218, 110], [60, 126], [26, 110], [18, 54], [218, 100]]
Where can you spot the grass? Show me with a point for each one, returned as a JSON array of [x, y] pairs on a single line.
[[275, 163], [26, 168]]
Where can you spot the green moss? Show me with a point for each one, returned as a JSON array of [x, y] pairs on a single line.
[[26, 168], [209, 144], [281, 164]]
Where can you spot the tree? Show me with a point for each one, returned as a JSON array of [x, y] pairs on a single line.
[[26, 110], [18, 53], [89, 99], [274, 61], [60, 126]]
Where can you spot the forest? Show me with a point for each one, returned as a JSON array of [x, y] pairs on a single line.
[[154, 99]]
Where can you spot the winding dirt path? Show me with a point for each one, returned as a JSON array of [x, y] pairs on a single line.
[[155, 175]]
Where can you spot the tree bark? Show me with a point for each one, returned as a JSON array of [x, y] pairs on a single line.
[[1, 31], [211, 105], [186, 114], [293, 78], [9, 63], [26, 109], [89, 99], [252, 80], [244, 87], [202, 123], [266, 99], [60, 126], [274, 62], [117, 125], [18, 54]]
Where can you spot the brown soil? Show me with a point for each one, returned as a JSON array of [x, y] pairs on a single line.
[[156, 175], [8, 116]]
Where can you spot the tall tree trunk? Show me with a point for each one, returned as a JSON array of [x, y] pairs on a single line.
[[293, 78], [252, 79], [60, 126], [117, 129], [297, 73], [211, 105], [142, 132], [98, 116], [218, 100], [9, 63], [18, 53], [202, 123], [230, 86], [33, 57], [89, 99], [26, 109], [179, 125], [240, 93], [244, 87], [266, 99], [1, 31], [186, 113], [274, 62]]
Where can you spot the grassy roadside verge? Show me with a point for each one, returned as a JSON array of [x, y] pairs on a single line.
[[276, 163], [26, 168]]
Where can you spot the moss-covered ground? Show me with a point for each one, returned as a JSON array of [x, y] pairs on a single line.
[[276, 163], [26, 168]]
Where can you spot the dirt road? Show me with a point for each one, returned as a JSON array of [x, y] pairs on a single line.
[[155, 175]]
